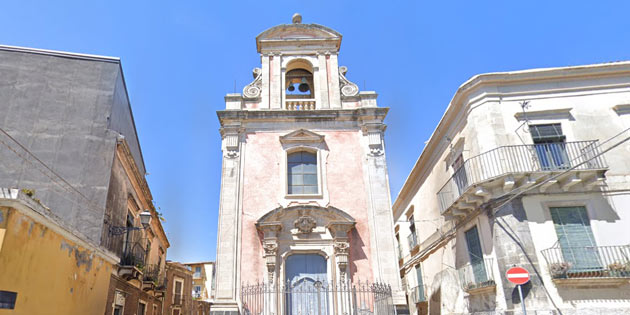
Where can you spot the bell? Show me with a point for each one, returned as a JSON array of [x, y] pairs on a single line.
[[291, 88], [303, 87]]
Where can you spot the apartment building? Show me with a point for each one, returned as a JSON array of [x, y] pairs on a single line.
[[525, 168]]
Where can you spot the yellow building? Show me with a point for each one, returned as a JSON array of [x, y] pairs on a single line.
[[202, 280], [44, 267]]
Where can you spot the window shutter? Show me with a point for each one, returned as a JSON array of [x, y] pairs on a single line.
[[575, 237], [547, 132], [475, 254]]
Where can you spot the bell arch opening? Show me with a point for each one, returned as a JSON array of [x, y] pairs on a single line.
[[299, 83]]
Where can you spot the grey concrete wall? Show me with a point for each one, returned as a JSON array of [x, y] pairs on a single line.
[[59, 107]]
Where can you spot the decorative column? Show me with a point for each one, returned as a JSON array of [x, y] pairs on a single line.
[[270, 246], [339, 232], [228, 243]]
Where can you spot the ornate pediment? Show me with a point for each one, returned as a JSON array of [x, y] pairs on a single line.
[[324, 36], [306, 218], [302, 136]]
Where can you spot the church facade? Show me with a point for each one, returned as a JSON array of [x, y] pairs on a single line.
[[305, 202]]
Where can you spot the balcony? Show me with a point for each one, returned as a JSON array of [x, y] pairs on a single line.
[[477, 277], [588, 266], [152, 278], [132, 261], [412, 240], [300, 104], [506, 168], [418, 295]]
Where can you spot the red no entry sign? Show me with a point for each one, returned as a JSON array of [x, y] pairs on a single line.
[[517, 275]]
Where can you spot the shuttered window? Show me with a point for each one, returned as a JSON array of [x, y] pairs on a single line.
[[575, 238], [420, 296], [475, 254], [550, 146]]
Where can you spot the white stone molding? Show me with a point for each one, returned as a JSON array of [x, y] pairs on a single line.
[[555, 114], [304, 140], [325, 231], [254, 89], [346, 87], [302, 136]]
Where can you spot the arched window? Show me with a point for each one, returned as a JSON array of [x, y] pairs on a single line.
[[302, 173]]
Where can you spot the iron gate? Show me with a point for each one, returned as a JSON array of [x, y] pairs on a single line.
[[321, 298]]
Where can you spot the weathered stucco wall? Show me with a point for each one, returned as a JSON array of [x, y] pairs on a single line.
[[51, 273]]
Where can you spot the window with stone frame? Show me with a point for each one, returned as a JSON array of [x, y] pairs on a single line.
[[302, 177]]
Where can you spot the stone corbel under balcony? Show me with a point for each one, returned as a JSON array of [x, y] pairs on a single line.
[[129, 273]]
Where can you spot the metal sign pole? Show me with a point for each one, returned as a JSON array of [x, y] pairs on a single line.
[[520, 294]]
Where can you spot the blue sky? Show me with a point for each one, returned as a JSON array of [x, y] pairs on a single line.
[[181, 57]]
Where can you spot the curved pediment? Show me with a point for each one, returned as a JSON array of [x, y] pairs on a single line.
[[305, 218], [298, 32]]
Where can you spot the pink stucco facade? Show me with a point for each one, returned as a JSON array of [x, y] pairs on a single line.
[[345, 184]]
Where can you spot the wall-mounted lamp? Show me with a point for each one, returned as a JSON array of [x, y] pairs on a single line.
[[145, 219]]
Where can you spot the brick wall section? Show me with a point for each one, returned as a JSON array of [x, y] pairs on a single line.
[[132, 298]]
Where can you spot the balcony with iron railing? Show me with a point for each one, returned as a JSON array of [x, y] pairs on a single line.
[[590, 265], [418, 294], [521, 166], [412, 240], [477, 276]]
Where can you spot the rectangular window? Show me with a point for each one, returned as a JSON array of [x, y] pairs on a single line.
[[7, 299], [176, 311], [142, 308], [575, 238], [302, 173], [118, 310], [177, 292], [550, 146], [475, 253], [413, 238], [155, 311]]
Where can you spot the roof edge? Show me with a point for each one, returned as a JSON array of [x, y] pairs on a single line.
[[498, 78], [59, 53]]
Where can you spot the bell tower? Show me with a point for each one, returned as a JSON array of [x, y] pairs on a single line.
[[304, 182]]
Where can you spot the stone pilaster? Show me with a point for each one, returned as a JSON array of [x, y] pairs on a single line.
[[321, 82], [380, 218], [228, 234]]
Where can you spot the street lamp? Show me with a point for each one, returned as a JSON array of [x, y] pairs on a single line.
[[145, 219]]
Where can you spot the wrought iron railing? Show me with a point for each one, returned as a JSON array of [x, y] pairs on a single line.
[[477, 274], [317, 298], [152, 273], [588, 262], [412, 240], [178, 299], [519, 159], [418, 294], [133, 255]]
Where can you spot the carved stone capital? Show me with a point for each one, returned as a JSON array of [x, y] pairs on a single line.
[[339, 230], [231, 134], [270, 230]]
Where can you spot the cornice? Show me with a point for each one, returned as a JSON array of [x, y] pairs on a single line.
[[458, 104], [299, 115], [128, 161]]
